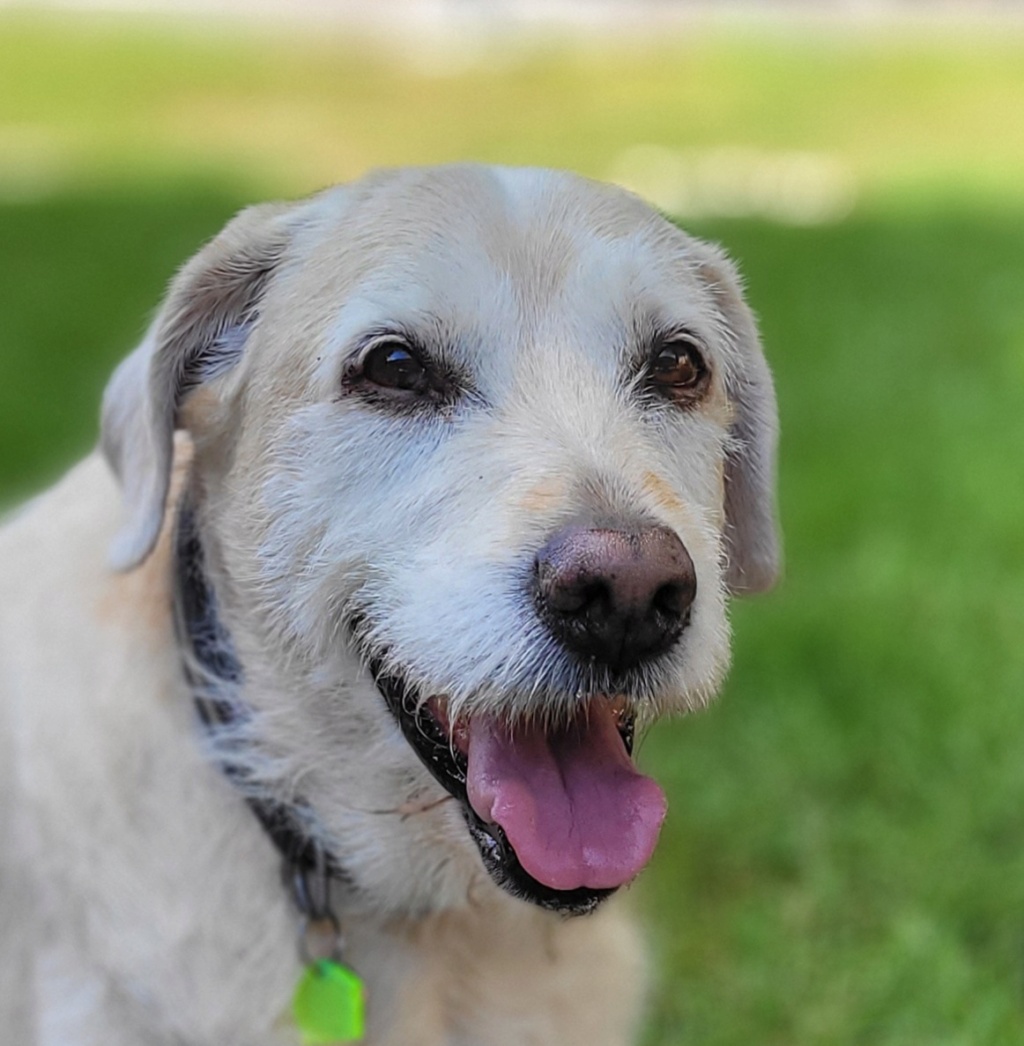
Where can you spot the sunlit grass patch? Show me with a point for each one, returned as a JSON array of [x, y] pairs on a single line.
[[892, 110]]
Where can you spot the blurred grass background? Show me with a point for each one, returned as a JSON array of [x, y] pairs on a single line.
[[844, 858]]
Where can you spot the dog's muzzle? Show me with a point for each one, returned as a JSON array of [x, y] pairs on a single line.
[[561, 817], [560, 814]]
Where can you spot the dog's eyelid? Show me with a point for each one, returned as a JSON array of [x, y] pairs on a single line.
[[651, 332], [385, 336], [673, 364], [393, 369], [677, 336]]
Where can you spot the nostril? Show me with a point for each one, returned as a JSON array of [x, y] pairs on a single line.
[[579, 597], [673, 599], [669, 600], [566, 599]]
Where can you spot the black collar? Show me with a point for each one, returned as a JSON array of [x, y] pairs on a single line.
[[215, 676]]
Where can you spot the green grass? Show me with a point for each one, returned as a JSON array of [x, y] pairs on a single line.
[[844, 857], [81, 277], [904, 111]]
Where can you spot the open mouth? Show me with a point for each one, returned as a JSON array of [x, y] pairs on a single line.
[[561, 816]]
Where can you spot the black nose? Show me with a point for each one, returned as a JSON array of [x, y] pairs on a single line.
[[615, 596]]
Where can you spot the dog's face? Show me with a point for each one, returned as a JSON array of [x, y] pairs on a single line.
[[478, 456]]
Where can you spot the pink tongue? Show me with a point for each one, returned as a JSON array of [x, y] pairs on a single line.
[[574, 808]]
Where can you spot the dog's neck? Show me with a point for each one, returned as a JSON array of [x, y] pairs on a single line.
[[216, 677]]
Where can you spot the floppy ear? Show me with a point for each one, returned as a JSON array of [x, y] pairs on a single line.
[[198, 334], [751, 528]]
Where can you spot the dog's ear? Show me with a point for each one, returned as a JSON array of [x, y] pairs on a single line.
[[752, 541], [198, 334]]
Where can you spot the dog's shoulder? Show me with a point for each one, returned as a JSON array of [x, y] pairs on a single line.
[[72, 630], [53, 572], [61, 529], [58, 585]]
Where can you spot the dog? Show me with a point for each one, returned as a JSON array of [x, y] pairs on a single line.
[[418, 499]]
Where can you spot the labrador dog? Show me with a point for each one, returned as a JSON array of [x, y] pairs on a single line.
[[418, 499]]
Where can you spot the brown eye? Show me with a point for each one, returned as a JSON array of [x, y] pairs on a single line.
[[678, 370], [392, 365]]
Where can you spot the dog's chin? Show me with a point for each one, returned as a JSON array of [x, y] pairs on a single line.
[[583, 820]]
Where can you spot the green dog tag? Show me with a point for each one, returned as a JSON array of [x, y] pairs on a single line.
[[328, 1005]]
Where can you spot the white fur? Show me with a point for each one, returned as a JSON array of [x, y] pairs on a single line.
[[140, 902]]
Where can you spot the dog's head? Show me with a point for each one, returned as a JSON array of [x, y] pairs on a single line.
[[478, 457]]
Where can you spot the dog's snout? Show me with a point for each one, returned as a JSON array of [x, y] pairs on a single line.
[[615, 596]]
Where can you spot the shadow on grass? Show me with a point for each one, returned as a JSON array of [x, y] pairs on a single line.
[[82, 276]]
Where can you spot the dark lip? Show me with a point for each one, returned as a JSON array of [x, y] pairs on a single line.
[[448, 767]]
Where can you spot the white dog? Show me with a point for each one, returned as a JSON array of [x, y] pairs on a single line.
[[424, 492]]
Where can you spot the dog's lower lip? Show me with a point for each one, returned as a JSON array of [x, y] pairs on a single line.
[[457, 732], [427, 727]]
